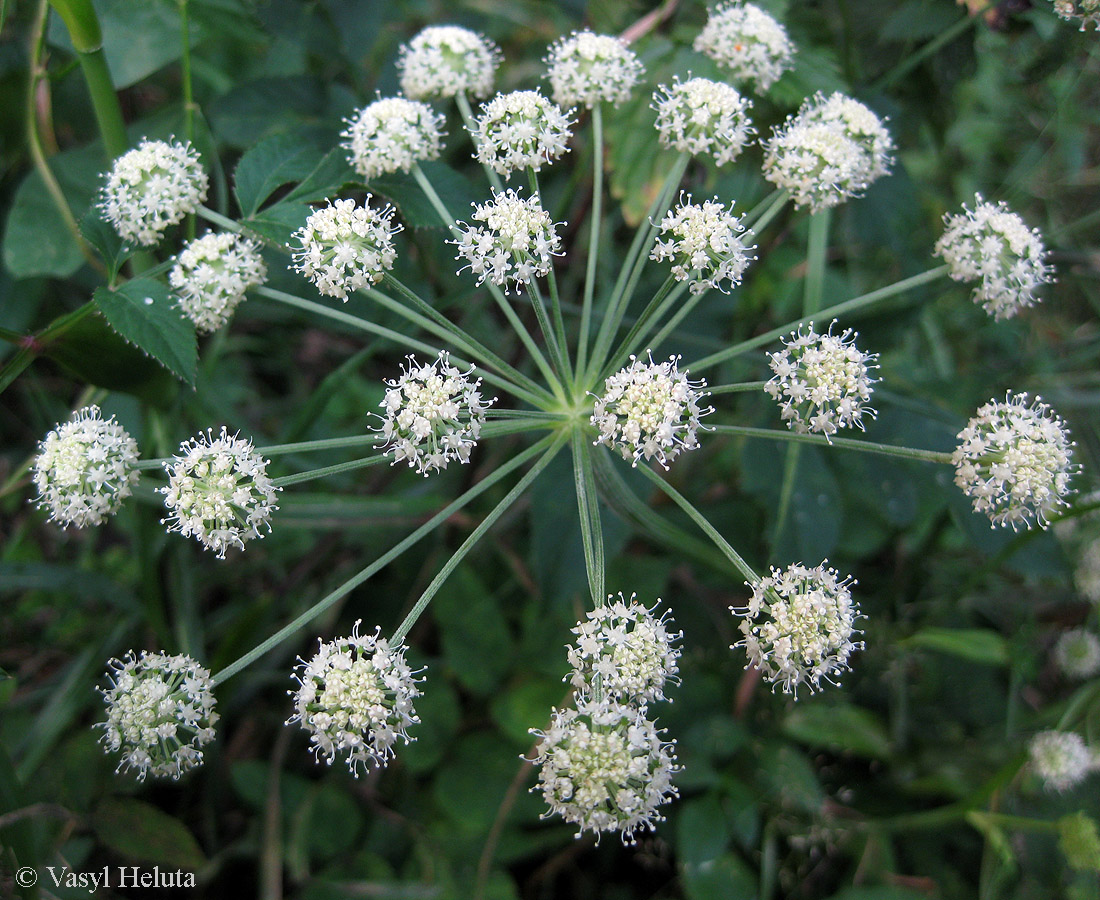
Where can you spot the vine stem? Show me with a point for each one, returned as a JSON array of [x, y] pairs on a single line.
[[588, 506], [501, 301], [839, 309], [385, 559], [736, 388], [631, 271], [555, 444], [593, 235], [774, 434], [699, 519]]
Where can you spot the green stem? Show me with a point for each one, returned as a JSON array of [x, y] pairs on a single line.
[[555, 297], [476, 535], [557, 353], [216, 218], [682, 313], [348, 586], [758, 210], [786, 492], [369, 327], [595, 225], [463, 104], [699, 519], [325, 471], [80, 19], [669, 294], [631, 271], [473, 346], [840, 309], [502, 302], [757, 225], [775, 434], [188, 91], [736, 388], [907, 65], [816, 251], [588, 506]]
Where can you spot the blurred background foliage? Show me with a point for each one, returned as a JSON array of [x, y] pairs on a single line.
[[886, 789]]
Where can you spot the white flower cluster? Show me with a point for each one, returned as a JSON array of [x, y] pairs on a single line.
[[1088, 11], [160, 713], [434, 414], [218, 491], [391, 135], [85, 469], [604, 767], [345, 247], [703, 117], [703, 241], [444, 60], [833, 149], [516, 244], [521, 130], [1013, 460], [747, 41], [151, 188], [627, 650], [650, 411], [355, 696], [799, 625], [588, 69], [1077, 653], [1061, 759], [822, 381], [211, 275], [992, 245]]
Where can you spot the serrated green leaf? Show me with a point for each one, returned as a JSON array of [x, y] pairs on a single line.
[[144, 833], [275, 161], [975, 644], [839, 727], [1079, 841], [143, 312], [105, 241], [330, 174], [278, 222]]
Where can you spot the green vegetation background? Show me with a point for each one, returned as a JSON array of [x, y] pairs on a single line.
[[777, 799]]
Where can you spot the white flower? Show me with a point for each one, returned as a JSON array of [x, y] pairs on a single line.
[[391, 135], [747, 41], [521, 130], [152, 187], [516, 244], [833, 149], [160, 713], [822, 381], [211, 275], [1088, 11], [355, 696], [703, 241], [604, 767], [444, 60], [434, 414], [703, 117], [799, 625], [650, 411], [1013, 460], [588, 69], [627, 649], [1087, 574], [991, 245], [85, 469], [218, 491], [1077, 653], [345, 247], [1061, 759]]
